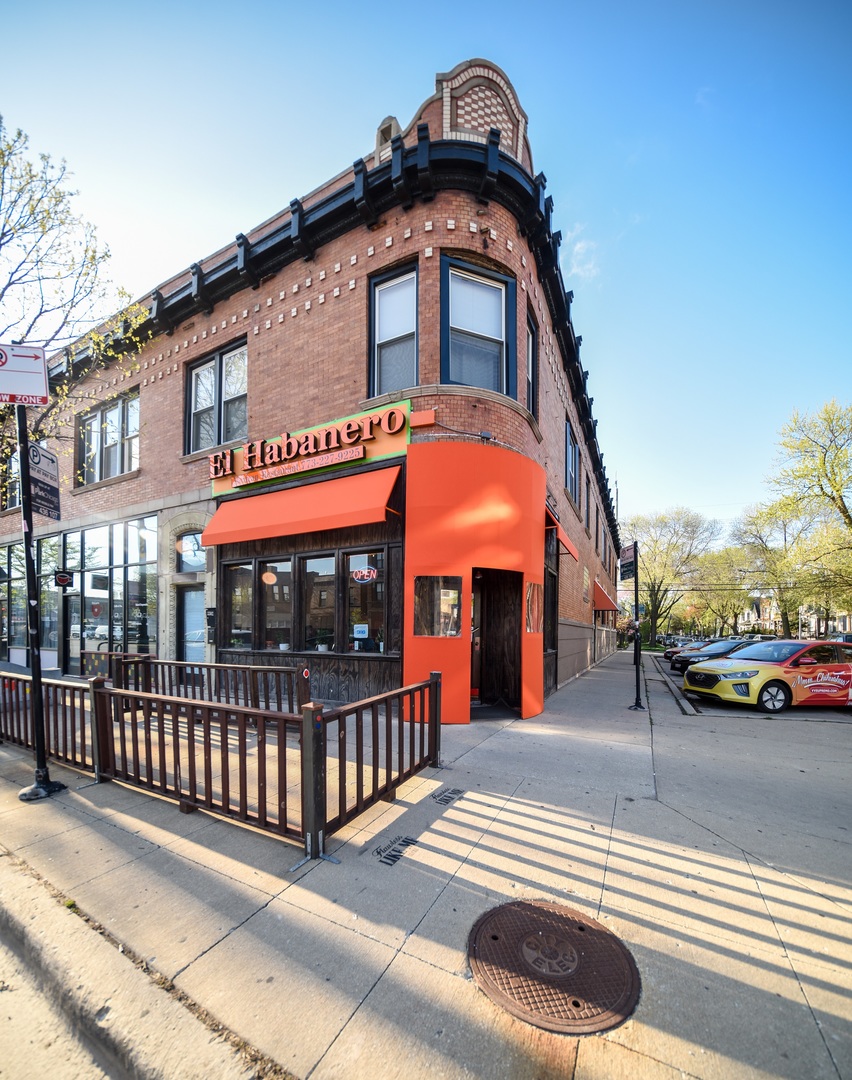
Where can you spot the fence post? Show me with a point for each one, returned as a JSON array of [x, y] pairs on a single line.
[[435, 715], [254, 686], [98, 711], [303, 688], [313, 780]]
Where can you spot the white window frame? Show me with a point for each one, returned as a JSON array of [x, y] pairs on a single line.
[[381, 289], [114, 428], [220, 403], [572, 458]]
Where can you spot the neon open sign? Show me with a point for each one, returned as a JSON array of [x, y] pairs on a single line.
[[366, 573]]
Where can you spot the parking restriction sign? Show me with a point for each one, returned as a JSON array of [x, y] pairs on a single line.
[[23, 375]]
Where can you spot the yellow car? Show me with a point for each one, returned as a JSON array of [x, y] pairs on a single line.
[[776, 674]]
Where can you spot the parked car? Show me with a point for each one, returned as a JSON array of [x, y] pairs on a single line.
[[693, 646], [774, 675], [841, 637], [713, 651], [682, 643]]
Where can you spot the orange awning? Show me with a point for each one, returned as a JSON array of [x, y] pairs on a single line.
[[561, 535], [334, 504], [602, 601]]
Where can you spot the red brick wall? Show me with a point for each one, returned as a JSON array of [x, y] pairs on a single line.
[[307, 330]]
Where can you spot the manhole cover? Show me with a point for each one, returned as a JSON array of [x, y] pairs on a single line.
[[553, 967]]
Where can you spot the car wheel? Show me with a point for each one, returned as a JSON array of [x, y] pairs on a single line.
[[775, 697]]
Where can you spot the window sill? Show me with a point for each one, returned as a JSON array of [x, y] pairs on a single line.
[[201, 455], [573, 505], [109, 482]]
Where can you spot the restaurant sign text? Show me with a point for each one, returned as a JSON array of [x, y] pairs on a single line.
[[368, 436]]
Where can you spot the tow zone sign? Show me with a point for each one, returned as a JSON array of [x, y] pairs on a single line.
[[23, 375]]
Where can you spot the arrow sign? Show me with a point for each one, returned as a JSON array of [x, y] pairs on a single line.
[[23, 375]]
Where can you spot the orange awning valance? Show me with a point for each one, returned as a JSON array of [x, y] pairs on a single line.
[[334, 504], [602, 601], [561, 535]]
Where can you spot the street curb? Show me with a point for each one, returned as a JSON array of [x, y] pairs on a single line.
[[122, 1014], [683, 701]]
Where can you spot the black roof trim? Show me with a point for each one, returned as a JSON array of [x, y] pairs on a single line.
[[413, 172]]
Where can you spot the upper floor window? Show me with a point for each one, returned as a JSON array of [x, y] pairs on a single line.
[[572, 454], [394, 336], [532, 368], [588, 501], [109, 440], [218, 391], [10, 478], [477, 328]]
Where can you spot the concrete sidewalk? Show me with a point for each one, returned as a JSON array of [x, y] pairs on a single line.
[[715, 845]]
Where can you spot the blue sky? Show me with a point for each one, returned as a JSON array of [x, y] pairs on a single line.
[[699, 155]]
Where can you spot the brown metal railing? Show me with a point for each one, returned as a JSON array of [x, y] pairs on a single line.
[[301, 775], [232, 760], [66, 718], [260, 686], [302, 772], [380, 742]]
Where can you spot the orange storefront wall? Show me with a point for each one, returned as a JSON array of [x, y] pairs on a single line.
[[470, 505]]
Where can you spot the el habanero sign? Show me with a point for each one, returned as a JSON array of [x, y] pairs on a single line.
[[368, 436]]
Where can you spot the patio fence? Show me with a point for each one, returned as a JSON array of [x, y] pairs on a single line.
[[301, 771]]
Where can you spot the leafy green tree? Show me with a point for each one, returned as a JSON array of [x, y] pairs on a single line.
[[825, 571], [722, 586], [54, 288], [816, 473], [670, 544], [771, 537]]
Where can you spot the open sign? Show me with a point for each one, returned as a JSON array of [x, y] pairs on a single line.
[[366, 573]]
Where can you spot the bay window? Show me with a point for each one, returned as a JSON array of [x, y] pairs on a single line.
[[477, 328]]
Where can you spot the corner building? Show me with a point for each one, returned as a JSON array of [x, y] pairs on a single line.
[[359, 439]]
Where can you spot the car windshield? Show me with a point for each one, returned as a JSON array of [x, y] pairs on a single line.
[[772, 651], [719, 647]]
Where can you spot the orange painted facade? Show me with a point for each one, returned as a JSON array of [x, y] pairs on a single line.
[[467, 507]]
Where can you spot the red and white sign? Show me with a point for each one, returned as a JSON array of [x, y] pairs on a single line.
[[23, 375]]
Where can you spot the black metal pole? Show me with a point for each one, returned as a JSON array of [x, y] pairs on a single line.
[[43, 785], [637, 636]]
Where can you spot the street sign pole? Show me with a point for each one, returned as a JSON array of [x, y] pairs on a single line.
[[637, 637], [43, 786]]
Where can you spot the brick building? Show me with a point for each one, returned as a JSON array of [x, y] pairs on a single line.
[[359, 436]]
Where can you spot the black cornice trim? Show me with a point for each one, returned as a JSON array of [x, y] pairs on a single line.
[[414, 172]]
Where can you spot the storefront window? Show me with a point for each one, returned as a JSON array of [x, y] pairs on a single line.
[[96, 547], [48, 555], [238, 601], [276, 582], [72, 551], [191, 554], [141, 605], [49, 613], [345, 601], [366, 601], [141, 540], [318, 606], [48, 562], [17, 613], [437, 606], [95, 632], [4, 627]]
